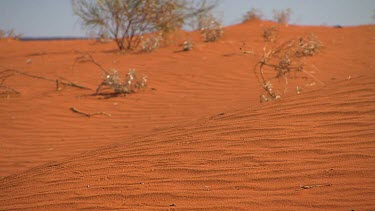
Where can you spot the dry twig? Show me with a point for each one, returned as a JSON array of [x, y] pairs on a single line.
[[313, 186], [89, 115], [89, 58]]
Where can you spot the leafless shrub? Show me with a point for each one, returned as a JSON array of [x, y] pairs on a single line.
[[211, 29], [129, 85], [282, 60], [270, 34], [253, 14], [282, 16]]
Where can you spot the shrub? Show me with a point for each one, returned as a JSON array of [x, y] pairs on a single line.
[[270, 34], [9, 34], [282, 16], [127, 20], [187, 46], [308, 46], [129, 85], [283, 60], [211, 29], [253, 14], [151, 43]]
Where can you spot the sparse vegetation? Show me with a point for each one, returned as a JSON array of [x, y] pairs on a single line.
[[112, 78], [9, 34], [282, 16], [211, 29], [270, 34], [253, 14], [9, 91], [308, 46], [130, 84], [187, 46], [126, 21], [283, 60], [151, 43]]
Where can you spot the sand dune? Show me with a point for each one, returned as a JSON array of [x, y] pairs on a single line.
[[199, 139]]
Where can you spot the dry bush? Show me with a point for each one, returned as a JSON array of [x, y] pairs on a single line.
[[279, 62], [308, 46], [187, 46], [282, 16], [151, 43], [270, 34], [112, 78], [253, 14], [211, 29], [127, 20], [130, 84], [4, 34]]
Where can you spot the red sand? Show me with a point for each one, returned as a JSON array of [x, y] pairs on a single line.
[[199, 139]]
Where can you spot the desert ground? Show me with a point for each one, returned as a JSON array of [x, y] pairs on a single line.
[[197, 138]]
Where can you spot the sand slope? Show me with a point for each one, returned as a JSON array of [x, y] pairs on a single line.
[[199, 139], [251, 158]]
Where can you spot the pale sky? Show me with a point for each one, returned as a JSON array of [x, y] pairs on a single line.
[[54, 18]]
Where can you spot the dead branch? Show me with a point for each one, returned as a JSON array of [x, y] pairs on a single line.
[[89, 58], [89, 115], [7, 91], [11, 72]]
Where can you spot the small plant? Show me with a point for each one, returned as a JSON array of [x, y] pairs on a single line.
[[283, 60], [151, 43], [211, 29], [112, 78], [282, 16], [308, 46], [187, 46], [253, 14], [270, 34], [130, 84]]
